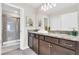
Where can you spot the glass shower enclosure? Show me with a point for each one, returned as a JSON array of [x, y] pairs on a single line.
[[10, 28], [10, 24]]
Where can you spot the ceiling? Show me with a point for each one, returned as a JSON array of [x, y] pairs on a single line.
[[34, 5], [59, 6]]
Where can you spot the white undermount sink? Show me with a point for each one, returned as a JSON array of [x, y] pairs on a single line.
[[42, 31]]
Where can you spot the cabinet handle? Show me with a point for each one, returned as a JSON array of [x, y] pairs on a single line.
[[67, 44], [51, 46]]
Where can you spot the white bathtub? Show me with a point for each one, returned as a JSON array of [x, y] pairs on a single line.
[[10, 45]]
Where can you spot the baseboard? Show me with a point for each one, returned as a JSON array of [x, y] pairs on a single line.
[[24, 48]]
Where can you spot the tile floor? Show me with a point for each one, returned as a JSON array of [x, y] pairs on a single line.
[[27, 51]]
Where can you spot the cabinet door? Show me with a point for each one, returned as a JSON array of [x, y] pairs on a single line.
[[35, 45], [30, 40], [44, 48], [57, 50]]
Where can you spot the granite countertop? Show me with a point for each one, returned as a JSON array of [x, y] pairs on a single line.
[[58, 35]]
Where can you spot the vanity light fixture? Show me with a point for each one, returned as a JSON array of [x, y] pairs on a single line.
[[47, 6]]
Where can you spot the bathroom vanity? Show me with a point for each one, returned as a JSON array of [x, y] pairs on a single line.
[[53, 43], [56, 43]]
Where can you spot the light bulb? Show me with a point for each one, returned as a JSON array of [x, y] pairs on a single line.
[[49, 5], [44, 9], [41, 7], [44, 5]]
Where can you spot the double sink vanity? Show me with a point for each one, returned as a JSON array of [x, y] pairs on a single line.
[[61, 38], [53, 43]]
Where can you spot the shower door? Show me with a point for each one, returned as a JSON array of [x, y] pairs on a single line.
[[11, 28]]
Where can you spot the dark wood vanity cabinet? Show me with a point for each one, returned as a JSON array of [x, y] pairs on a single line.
[[46, 45]]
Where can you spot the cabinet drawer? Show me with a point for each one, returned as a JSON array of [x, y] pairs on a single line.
[[58, 50], [68, 44], [41, 37], [52, 40]]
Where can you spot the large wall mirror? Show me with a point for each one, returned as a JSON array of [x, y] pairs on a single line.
[[64, 22]]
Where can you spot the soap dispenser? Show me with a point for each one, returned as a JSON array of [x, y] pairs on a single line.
[[74, 32]]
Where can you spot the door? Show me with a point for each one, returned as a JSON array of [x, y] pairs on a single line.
[[11, 28], [57, 50], [44, 48], [30, 40]]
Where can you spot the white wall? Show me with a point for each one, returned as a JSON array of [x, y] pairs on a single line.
[[0, 26]]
